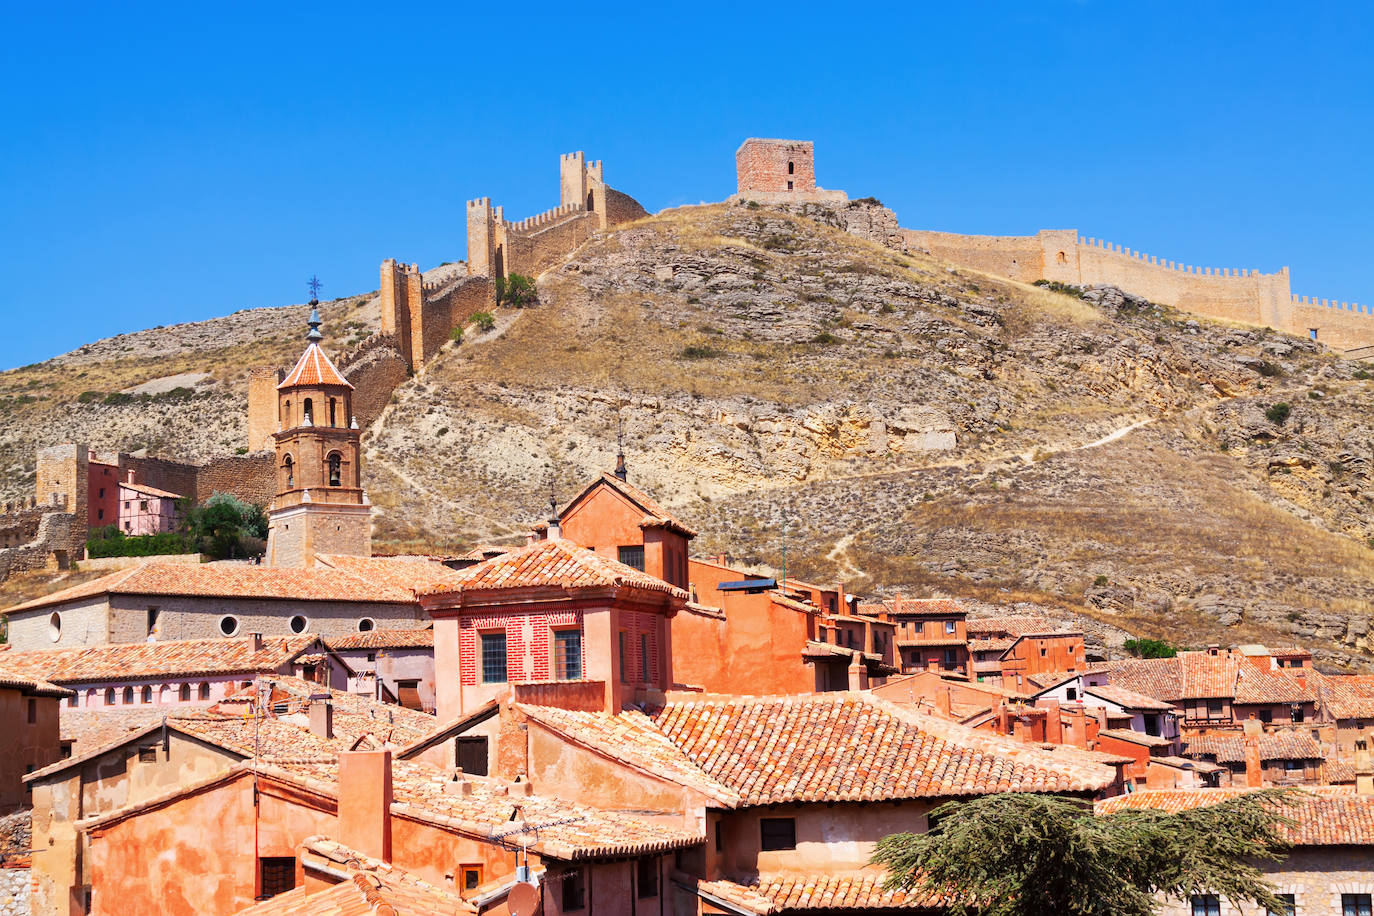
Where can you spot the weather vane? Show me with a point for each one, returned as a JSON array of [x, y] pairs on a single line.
[[315, 286]]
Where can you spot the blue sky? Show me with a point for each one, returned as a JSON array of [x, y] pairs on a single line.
[[166, 164]]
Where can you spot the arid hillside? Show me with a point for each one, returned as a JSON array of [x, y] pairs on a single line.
[[891, 421]]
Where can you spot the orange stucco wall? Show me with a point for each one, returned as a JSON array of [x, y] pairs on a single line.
[[606, 521], [756, 649], [28, 745]]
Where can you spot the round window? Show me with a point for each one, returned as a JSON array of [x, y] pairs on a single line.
[[366, 625], [228, 624], [55, 626], [298, 624]]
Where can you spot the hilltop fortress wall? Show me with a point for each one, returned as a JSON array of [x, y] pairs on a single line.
[[1248, 296]]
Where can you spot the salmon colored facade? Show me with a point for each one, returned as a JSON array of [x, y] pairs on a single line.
[[621, 523], [1042, 653]]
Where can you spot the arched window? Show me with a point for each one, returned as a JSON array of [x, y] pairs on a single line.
[[366, 625], [591, 202], [289, 472], [333, 405], [204, 690], [309, 412], [1062, 258], [335, 469], [184, 693], [55, 626], [286, 415], [147, 693], [791, 168], [90, 697], [109, 696], [128, 696]]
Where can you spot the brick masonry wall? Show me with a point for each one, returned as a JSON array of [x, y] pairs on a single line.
[[249, 477], [374, 376], [622, 208], [761, 165], [14, 892]]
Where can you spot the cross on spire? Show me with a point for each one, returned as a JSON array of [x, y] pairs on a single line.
[[314, 335]]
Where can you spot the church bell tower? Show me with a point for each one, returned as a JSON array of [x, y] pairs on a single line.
[[320, 506]]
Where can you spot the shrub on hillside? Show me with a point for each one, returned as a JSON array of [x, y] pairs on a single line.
[[1278, 413], [1150, 648], [517, 291], [484, 320]]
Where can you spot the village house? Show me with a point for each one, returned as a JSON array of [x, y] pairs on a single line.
[[178, 672], [931, 632], [146, 510], [299, 720], [1288, 757], [391, 666], [167, 601], [464, 834], [1329, 869], [29, 714]]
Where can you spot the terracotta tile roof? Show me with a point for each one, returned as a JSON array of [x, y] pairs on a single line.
[[1254, 686], [844, 747], [1044, 680], [90, 729], [769, 894], [655, 516], [911, 606], [371, 886], [384, 639], [1324, 815], [177, 658], [816, 649], [234, 580], [1345, 696], [990, 645], [556, 564], [1129, 699], [1010, 626], [1285, 745], [1135, 737], [313, 368], [1161, 678], [567, 831], [634, 739], [149, 491], [1208, 677], [25, 682], [355, 715], [406, 573], [1339, 772]]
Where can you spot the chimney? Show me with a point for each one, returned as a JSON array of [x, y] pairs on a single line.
[[1078, 721], [942, 700], [858, 675], [322, 719], [621, 472], [364, 817], [1254, 767], [1054, 723], [130, 477], [555, 529], [255, 642]]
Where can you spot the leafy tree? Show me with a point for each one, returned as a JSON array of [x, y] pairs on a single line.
[[1018, 854], [225, 526], [516, 290], [1150, 648]]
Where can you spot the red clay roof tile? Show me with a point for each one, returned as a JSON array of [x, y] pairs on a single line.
[[314, 368], [1323, 815]]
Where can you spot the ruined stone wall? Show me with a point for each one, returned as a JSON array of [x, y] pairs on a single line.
[[173, 476], [375, 370], [622, 208], [62, 476], [58, 540], [249, 477], [262, 407]]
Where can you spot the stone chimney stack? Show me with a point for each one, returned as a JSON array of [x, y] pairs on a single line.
[[365, 802], [322, 719], [129, 476], [858, 675], [255, 642], [1254, 766], [942, 700]]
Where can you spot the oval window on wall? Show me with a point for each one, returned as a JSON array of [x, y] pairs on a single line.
[[298, 624], [55, 626], [367, 625], [228, 624]]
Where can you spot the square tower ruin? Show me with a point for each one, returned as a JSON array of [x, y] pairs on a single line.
[[775, 165]]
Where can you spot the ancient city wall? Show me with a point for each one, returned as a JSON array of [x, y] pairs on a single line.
[[262, 407], [534, 245], [374, 370], [57, 540], [1015, 256], [445, 306], [249, 477], [622, 208], [1244, 295]]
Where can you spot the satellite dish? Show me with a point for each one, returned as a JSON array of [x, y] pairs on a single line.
[[524, 900]]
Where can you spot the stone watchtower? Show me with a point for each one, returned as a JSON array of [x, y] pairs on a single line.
[[320, 506]]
